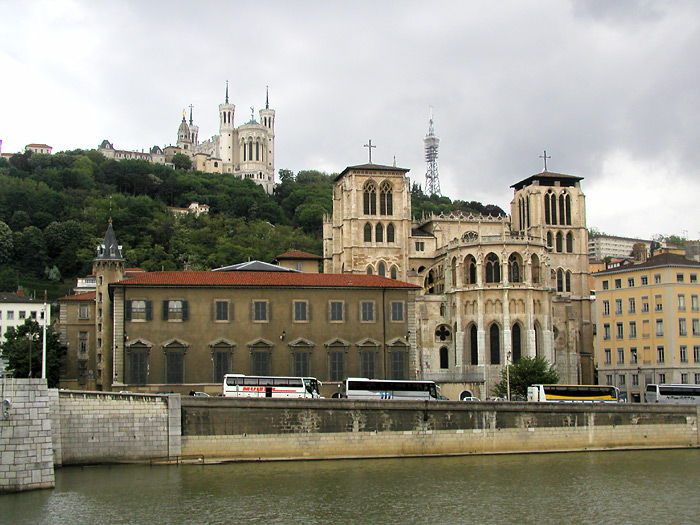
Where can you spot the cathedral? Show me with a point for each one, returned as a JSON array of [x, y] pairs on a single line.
[[494, 289], [246, 151]]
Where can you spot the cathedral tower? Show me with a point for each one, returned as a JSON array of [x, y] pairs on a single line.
[[226, 133]]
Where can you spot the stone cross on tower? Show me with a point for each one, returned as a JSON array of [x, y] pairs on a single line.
[[545, 157], [370, 146]]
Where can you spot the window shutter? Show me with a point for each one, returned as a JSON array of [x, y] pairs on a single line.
[[165, 310], [149, 310], [127, 310], [184, 310]]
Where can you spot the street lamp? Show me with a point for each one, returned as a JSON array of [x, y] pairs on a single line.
[[30, 337], [508, 374]]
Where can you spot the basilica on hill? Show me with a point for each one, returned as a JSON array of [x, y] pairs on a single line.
[[493, 289], [246, 151]]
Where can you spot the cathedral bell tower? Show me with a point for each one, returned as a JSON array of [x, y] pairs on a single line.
[[226, 132], [267, 119]]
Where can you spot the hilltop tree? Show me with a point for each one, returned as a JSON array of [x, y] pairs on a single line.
[[181, 161]]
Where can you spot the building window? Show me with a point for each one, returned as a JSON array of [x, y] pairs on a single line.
[[397, 311], [398, 364], [635, 380], [682, 327], [606, 331], [420, 246], [260, 312], [260, 361], [222, 364], [367, 362], [495, 344], [684, 378], [174, 366], [394, 272], [694, 303], [694, 278], [386, 205], [697, 379], [645, 305], [83, 342], [645, 280], [301, 311], [662, 378], [138, 310], [138, 367], [10, 315], [493, 268], [696, 354], [632, 305], [619, 331], [379, 233], [679, 277], [622, 380], [337, 365], [618, 283], [633, 329], [658, 304], [659, 327], [83, 311], [630, 282], [381, 269], [390, 233], [368, 232], [370, 198], [606, 308], [683, 353], [367, 311], [222, 311], [657, 278], [175, 310], [696, 327], [620, 356], [336, 311], [301, 364], [444, 358], [608, 356], [660, 354], [681, 302], [633, 356], [618, 306], [605, 285], [609, 379]]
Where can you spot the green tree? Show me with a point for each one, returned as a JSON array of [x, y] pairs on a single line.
[[181, 162], [6, 244], [527, 371], [23, 345]]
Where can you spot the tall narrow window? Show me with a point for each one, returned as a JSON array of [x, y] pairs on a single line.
[[473, 345], [379, 233], [562, 210], [513, 269], [516, 343], [174, 366], [370, 198], [390, 233], [560, 239], [444, 357], [495, 344], [222, 364], [569, 243], [337, 365], [560, 280], [493, 268], [260, 363], [398, 364], [368, 358], [368, 232], [386, 205], [301, 363], [381, 269], [568, 209], [138, 367]]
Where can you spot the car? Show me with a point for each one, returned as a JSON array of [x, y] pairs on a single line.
[[470, 398], [199, 394]]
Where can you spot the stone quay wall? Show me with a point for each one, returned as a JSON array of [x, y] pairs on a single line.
[[260, 429], [26, 445], [98, 427]]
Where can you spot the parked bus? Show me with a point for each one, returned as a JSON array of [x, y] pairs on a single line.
[[238, 385], [676, 394], [573, 393], [362, 388]]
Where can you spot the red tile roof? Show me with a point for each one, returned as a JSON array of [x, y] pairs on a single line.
[[87, 296], [262, 279], [296, 254]]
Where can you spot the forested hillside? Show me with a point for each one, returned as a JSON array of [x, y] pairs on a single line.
[[54, 210]]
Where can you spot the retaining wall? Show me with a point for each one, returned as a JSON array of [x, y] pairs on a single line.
[[98, 427], [26, 453], [329, 428]]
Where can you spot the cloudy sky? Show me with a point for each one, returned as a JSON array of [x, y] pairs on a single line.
[[610, 89]]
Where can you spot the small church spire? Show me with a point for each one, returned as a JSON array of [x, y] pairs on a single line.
[[227, 92], [191, 114], [267, 97]]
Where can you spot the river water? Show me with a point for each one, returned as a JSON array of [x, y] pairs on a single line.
[[596, 487]]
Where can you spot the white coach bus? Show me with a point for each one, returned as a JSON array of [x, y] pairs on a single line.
[[676, 394], [362, 388], [238, 385]]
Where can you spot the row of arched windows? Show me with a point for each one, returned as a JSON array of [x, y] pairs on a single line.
[[381, 270], [494, 343], [492, 269], [379, 232], [557, 209], [267, 122], [369, 198], [252, 150], [563, 278], [557, 242], [524, 212]]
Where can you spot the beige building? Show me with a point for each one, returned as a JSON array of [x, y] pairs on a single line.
[[648, 323], [493, 288], [300, 261], [182, 331]]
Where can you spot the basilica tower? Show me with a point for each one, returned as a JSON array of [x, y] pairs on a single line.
[[226, 133]]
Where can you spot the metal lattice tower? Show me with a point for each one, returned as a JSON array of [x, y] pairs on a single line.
[[431, 142]]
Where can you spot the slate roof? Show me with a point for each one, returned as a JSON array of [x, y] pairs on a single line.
[[7, 297], [546, 176], [245, 279]]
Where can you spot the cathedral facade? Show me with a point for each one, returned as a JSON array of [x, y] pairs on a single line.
[[494, 289]]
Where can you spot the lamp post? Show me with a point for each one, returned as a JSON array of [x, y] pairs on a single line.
[[30, 337], [43, 343], [508, 375]]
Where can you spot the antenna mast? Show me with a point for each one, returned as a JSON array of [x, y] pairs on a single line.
[[431, 143]]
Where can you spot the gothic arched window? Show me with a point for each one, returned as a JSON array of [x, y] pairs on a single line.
[[444, 357], [535, 266], [514, 268], [386, 204], [560, 280], [469, 270], [368, 232], [369, 270], [516, 343], [562, 209], [569, 243], [379, 233], [474, 345], [381, 269], [493, 268], [370, 198], [549, 239], [560, 242], [495, 344], [394, 272], [568, 281], [568, 209], [390, 233]]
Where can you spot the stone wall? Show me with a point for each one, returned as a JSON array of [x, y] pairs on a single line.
[[98, 427], [26, 455], [328, 428]]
